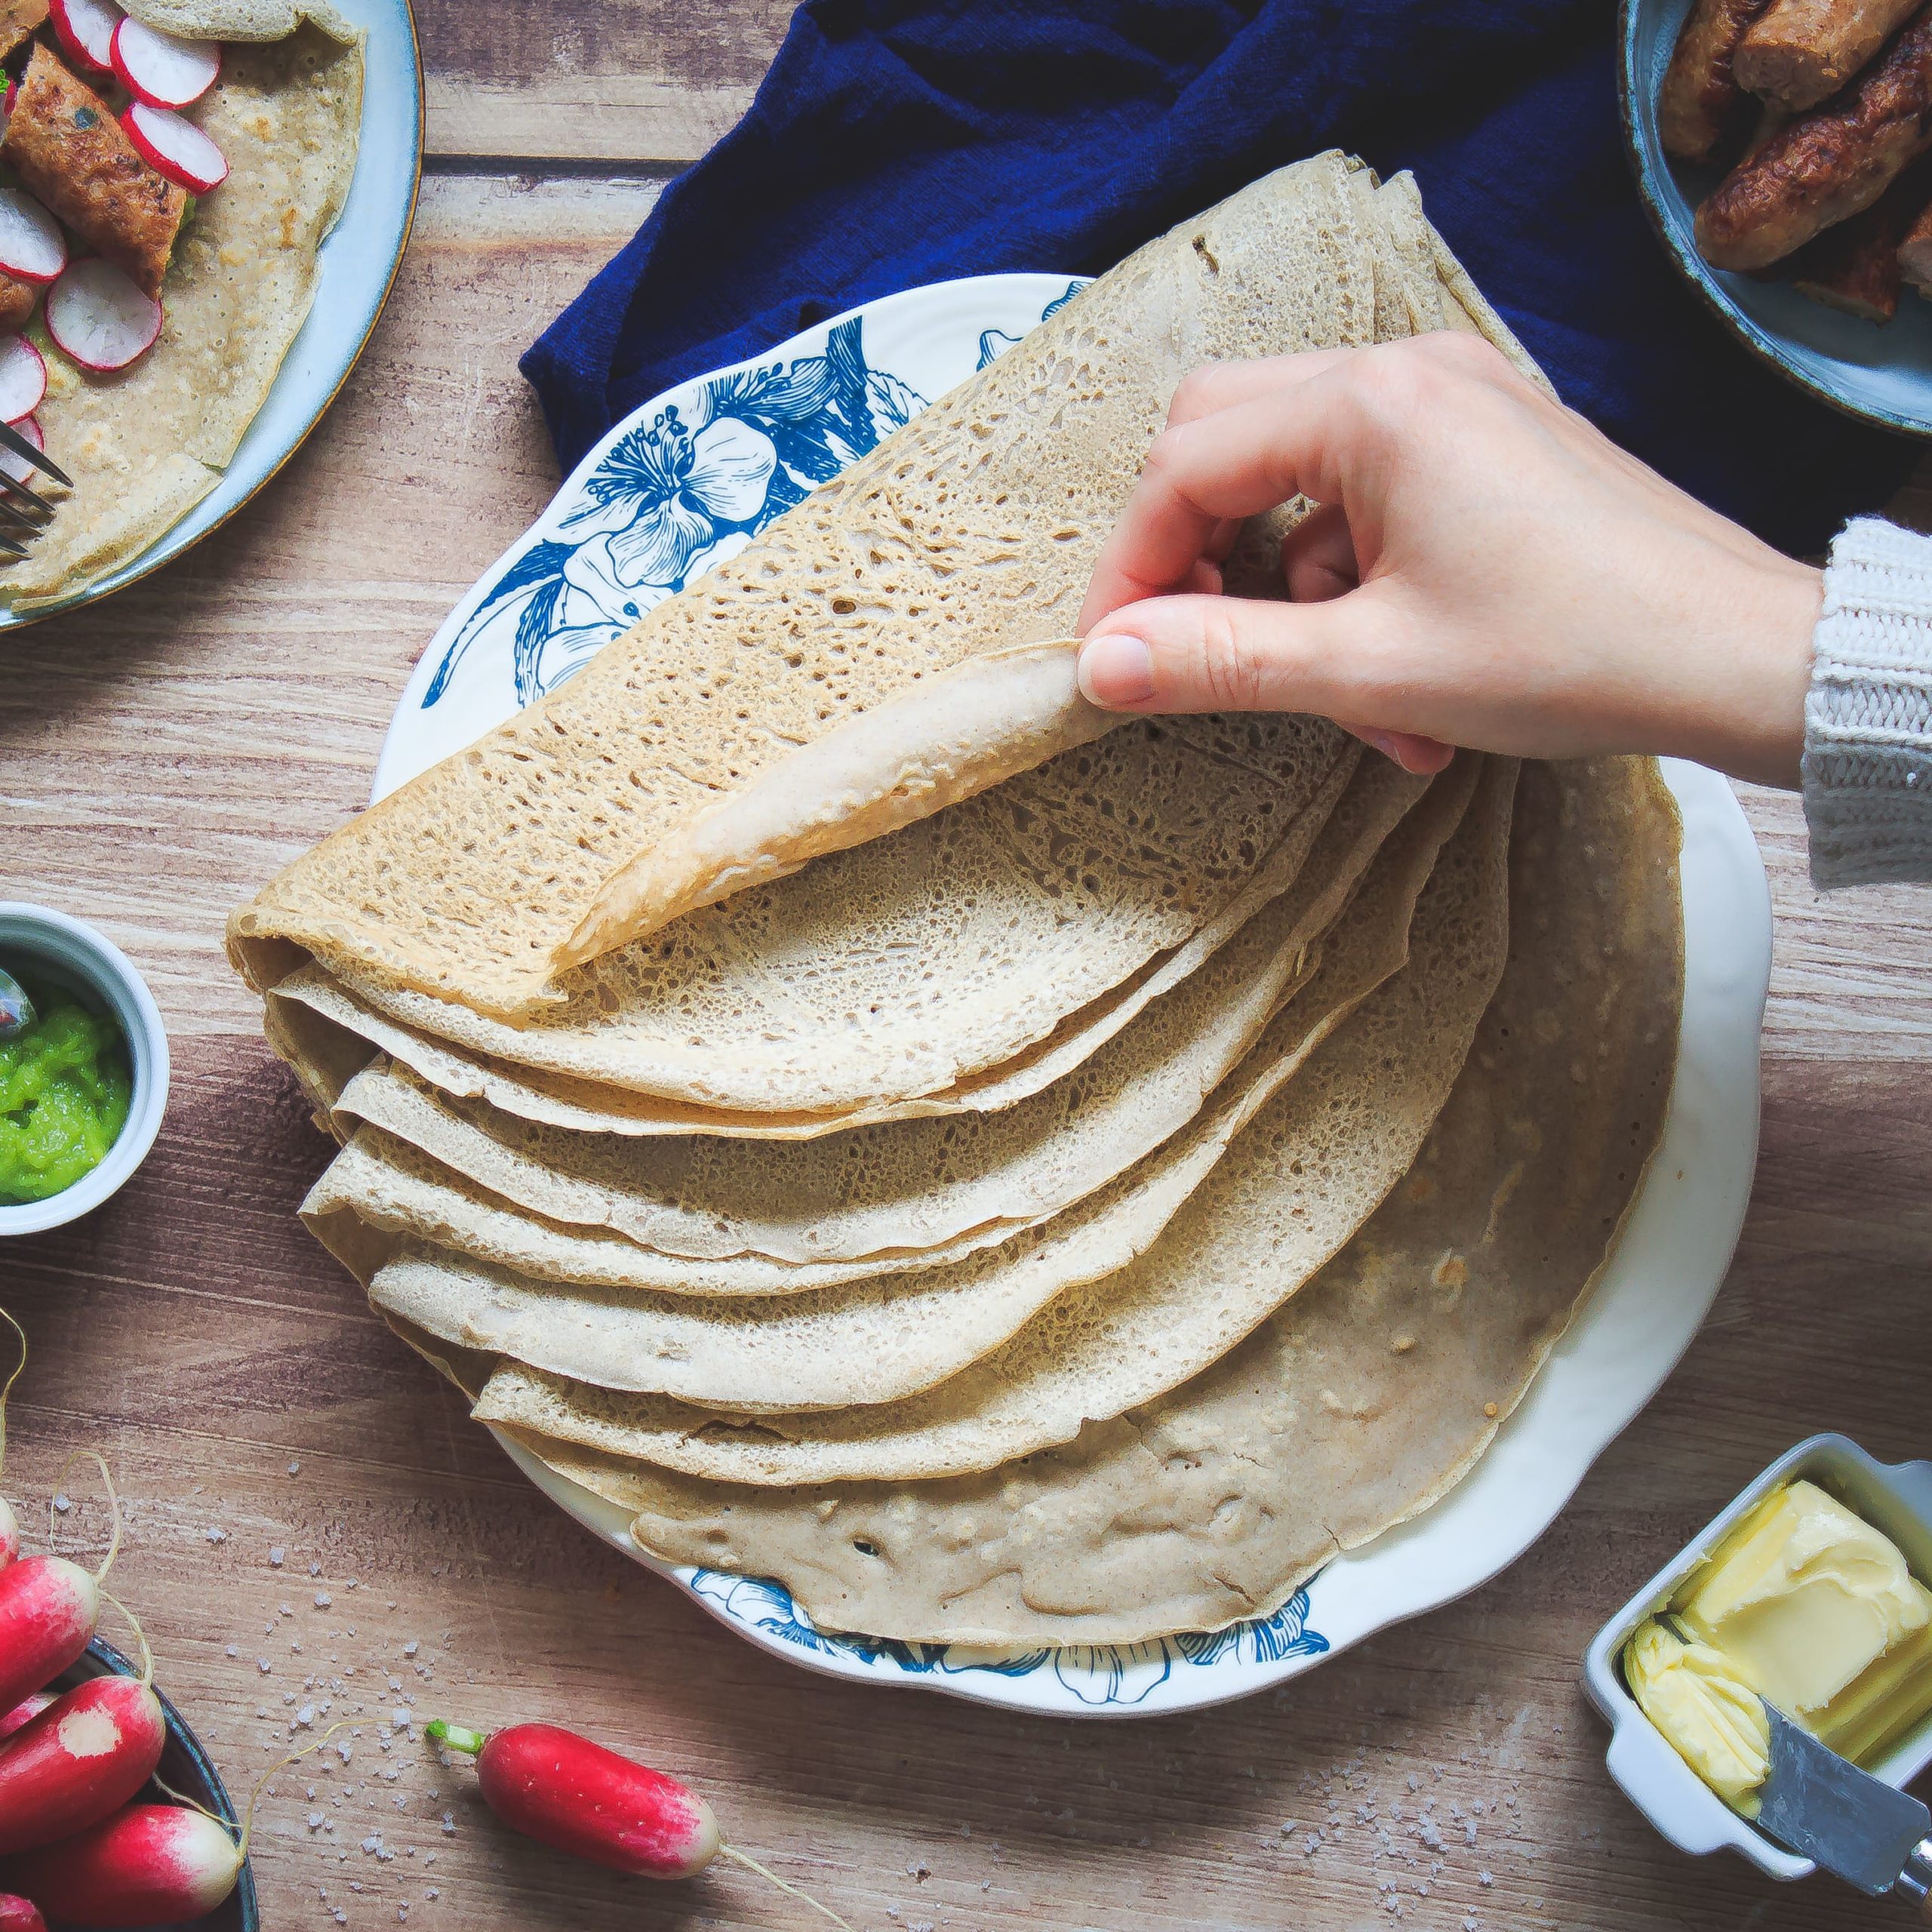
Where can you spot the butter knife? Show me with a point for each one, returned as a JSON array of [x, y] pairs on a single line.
[[1858, 1827]]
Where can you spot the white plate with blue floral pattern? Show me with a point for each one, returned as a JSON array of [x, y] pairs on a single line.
[[687, 480]]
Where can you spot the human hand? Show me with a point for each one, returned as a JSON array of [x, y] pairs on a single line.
[[1485, 569]]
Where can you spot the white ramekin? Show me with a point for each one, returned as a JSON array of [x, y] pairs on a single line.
[[37, 937]]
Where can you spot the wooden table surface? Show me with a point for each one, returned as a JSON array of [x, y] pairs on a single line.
[[315, 1528]]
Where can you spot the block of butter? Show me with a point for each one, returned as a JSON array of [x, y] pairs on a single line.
[[1805, 1605], [1818, 1610]]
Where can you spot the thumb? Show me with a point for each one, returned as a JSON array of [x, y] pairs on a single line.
[[1243, 654]]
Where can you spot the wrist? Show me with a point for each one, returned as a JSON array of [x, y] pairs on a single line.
[[1748, 720]]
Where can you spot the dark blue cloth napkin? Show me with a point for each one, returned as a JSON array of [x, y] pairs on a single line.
[[899, 142]]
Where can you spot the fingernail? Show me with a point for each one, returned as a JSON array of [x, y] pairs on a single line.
[[1116, 671], [1382, 742]]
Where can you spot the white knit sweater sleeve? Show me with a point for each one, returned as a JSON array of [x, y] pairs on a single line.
[[1868, 717]]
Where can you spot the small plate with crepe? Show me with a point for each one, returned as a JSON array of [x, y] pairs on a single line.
[[1100, 1247], [276, 281]]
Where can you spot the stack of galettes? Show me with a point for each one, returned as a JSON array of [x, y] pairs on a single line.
[[1010, 1175]]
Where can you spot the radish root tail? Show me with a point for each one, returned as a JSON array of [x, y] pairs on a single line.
[[140, 1637], [275, 1770], [113, 1504], [7, 1388], [751, 1864], [245, 1830]]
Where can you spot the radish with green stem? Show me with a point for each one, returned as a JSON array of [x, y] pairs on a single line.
[[85, 1755], [565, 1792]]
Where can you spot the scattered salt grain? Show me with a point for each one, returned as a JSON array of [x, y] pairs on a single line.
[[295, 1468], [322, 1599], [262, 1665], [232, 1651]]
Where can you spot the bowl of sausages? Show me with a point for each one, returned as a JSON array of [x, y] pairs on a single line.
[[1783, 149]]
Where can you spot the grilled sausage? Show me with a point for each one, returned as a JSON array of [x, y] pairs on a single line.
[[66, 145], [1916, 252], [1797, 52], [1825, 166], [1701, 108], [1855, 267]]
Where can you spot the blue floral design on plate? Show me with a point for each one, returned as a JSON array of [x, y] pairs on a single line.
[[1117, 1674], [995, 343], [674, 495]]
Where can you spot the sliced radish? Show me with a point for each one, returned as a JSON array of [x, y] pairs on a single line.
[[32, 246], [23, 378], [98, 316], [172, 145], [86, 29], [21, 471], [161, 68]]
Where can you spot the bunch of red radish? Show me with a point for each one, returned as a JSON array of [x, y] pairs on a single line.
[[95, 314], [73, 1844]]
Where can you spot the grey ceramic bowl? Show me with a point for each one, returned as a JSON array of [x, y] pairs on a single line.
[[36, 939], [188, 1768], [1881, 375]]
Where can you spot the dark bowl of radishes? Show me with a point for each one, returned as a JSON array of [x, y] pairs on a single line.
[[187, 1772]]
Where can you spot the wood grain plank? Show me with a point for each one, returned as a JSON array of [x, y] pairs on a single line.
[[592, 80]]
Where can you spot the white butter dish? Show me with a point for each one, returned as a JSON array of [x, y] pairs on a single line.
[[1895, 1497]]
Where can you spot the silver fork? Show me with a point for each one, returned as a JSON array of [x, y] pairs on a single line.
[[22, 510]]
